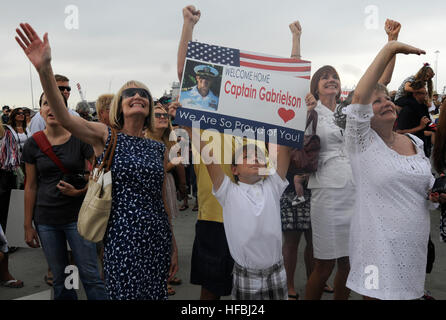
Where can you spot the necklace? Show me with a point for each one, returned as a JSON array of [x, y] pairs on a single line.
[[141, 135], [390, 145]]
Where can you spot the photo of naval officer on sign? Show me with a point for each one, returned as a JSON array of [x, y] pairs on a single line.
[[201, 86]]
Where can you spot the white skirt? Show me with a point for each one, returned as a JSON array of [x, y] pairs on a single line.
[[331, 213]]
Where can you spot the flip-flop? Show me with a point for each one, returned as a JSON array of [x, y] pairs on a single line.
[[195, 208], [293, 296], [175, 281], [184, 207], [328, 289], [12, 284]]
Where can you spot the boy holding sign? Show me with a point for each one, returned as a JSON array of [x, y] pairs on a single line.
[[251, 216], [211, 262], [251, 212]]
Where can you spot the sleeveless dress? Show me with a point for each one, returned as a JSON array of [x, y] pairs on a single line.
[[138, 239]]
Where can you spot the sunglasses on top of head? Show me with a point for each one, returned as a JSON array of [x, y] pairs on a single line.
[[63, 88], [130, 92]]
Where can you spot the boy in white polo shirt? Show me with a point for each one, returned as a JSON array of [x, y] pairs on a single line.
[[251, 213]]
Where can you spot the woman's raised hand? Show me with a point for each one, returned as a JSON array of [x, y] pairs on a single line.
[[172, 110], [400, 47], [310, 101], [37, 51], [392, 28], [192, 15], [295, 28]]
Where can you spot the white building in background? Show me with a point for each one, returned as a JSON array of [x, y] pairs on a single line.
[[175, 90]]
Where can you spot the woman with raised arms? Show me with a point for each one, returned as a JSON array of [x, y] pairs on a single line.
[[139, 243], [332, 186], [390, 229]]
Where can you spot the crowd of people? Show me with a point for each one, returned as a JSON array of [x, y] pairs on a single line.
[[367, 205]]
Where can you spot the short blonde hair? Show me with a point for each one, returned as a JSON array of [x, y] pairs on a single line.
[[103, 102], [116, 117]]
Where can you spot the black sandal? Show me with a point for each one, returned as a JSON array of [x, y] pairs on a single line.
[[328, 289]]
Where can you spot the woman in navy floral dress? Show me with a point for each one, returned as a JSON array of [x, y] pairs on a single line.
[[140, 250], [138, 236]]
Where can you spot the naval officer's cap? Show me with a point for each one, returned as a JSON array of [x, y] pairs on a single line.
[[206, 71]]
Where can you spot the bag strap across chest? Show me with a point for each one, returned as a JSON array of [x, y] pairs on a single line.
[[45, 146]]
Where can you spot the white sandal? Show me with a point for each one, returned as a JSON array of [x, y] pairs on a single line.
[[11, 284]]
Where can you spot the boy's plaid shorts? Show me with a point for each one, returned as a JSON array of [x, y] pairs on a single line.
[[265, 284]]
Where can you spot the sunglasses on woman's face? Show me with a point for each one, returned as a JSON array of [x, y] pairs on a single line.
[[130, 92], [19, 114], [162, 115], [63, 88]]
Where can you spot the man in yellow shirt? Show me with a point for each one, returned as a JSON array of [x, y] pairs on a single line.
[[211, 263]]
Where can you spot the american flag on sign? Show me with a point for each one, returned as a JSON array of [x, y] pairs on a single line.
[[238, 58], [345, 93]]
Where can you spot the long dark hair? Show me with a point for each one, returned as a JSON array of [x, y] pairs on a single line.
[[439, 152], [12, 121], [421, 75]]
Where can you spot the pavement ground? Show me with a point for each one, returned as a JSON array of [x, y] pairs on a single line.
[[29, 265]]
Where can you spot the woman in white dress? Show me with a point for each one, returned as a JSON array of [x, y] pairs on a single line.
[[332, 186], [390, 228]]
